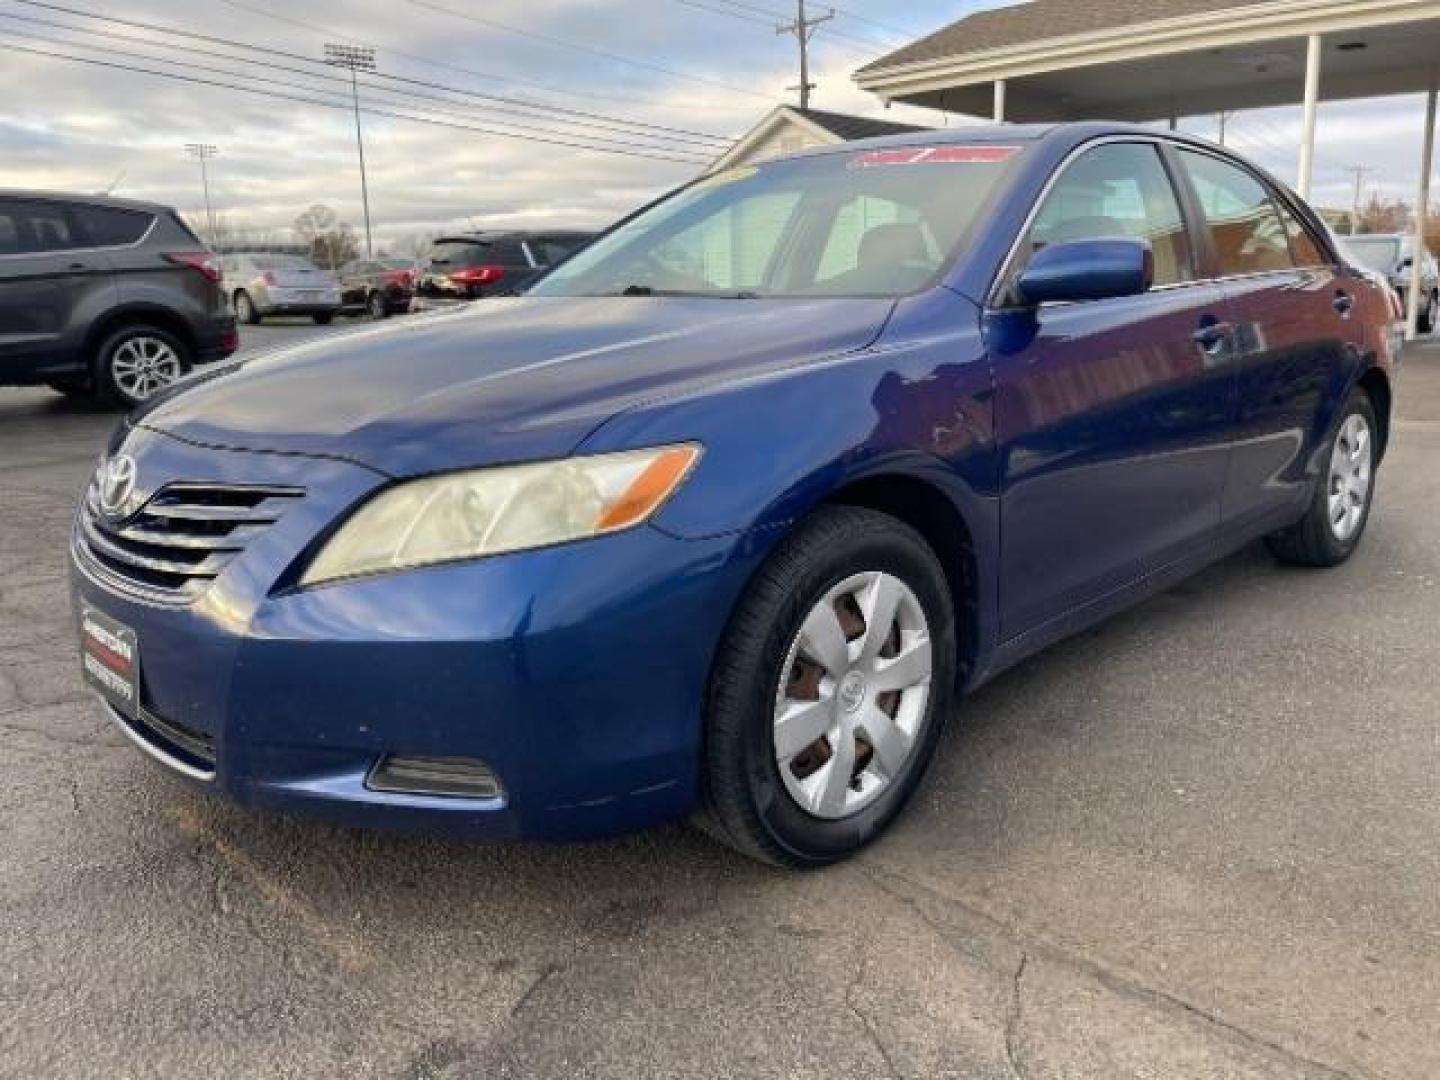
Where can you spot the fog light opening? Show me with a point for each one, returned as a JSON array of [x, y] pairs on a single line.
[[454, 777]]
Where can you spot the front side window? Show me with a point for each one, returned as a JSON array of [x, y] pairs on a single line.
[[1116, 191], [1249, 236], [1304, 248], [850, 223]]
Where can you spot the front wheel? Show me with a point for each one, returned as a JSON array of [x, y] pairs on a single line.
[[829, 690], [135, 363], [1331, 529], [377, 306]]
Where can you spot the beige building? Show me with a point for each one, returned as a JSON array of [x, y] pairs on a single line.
[[786, 130]]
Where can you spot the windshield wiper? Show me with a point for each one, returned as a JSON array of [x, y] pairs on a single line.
[[646, 290]]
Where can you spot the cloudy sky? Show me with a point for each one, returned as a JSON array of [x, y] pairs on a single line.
[[655, 79]]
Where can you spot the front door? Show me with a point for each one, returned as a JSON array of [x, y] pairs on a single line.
[[1111, 415]]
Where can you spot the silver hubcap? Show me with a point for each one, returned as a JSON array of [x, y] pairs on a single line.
[[1350, 474], [143, 365], [852, 695]]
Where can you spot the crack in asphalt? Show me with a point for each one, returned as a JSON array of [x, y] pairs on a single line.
[[1117, 981], [536, 985], [865, 1022], [1013, 1045]]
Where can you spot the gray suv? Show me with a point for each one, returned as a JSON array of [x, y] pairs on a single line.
[[104, 296]]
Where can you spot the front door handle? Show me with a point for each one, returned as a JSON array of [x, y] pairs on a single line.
[[1213, 337], [1344, 304], [79, 268]]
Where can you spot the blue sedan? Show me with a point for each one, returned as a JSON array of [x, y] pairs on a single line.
[[720, 519]]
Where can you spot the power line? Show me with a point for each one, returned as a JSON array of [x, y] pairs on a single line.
[[267, 51], [529, 136], [110, 36], [562, 43], [431, 61], [752, 13]]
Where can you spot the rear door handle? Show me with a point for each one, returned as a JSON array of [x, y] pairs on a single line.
[[79, 268], [1344, 304], [1213, 337]]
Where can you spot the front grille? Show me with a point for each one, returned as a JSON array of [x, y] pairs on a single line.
[[183, 537]]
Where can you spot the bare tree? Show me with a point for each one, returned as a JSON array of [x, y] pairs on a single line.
[[331, 242]]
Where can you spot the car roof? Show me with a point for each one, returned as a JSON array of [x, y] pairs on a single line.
[[85, 200]]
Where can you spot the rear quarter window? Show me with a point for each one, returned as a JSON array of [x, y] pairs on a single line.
[[108, 226]]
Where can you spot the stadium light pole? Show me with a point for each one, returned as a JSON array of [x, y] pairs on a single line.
[[356, 59], [203, 152]]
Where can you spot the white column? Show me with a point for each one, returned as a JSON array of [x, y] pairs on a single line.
[[1312, 104], [1422, 207], [999, 101]]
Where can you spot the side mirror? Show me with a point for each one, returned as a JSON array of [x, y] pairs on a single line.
[[1087, 270]]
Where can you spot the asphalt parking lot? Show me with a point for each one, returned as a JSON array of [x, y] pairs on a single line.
[[1200, 841]]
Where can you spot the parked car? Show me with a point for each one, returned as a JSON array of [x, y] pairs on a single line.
[[105, 296], [471, 265], [720, 516], [379, 287], [1390, 254], [266, 284]]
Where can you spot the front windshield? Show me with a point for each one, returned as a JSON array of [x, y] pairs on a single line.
[[1374, 252], [862, 223]]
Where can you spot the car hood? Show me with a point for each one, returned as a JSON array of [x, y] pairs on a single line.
[[500, 380]]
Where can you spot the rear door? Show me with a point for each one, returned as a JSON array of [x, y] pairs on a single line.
[[49, 277], [1112, 414], [1297, 340]]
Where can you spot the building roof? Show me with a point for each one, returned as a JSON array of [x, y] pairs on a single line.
[[848, 128], [1040, 19]]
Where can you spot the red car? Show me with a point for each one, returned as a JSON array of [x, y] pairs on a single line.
[[382, 287]]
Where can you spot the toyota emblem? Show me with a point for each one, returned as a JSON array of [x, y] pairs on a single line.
[[117, 484]]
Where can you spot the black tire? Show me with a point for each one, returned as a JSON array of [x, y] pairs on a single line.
[[245, 309], [1314, 540], [746, 803], [377, 306], [109, 388], [324, 319], [1427, 316]]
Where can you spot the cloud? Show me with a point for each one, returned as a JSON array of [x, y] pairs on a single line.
[[73, 126]]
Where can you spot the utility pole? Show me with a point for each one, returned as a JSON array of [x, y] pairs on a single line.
[[356, 59], [1360, 171], [804, 29], [203, 152]]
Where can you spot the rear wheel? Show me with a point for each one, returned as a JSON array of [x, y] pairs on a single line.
[[136, 362], [1331, 529], [245, 309], [377, 306], [829, 690]]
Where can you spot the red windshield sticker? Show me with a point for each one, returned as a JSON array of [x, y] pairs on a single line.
[[935, 155]]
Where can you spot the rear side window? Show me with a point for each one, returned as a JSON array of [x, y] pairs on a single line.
[[107, 226], [28, 228], [507, 253], [551, 250], [1249, 235], [1117, 191], [457, 253]]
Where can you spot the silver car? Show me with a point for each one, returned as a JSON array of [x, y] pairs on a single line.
[[1389, 253], [264, 284]]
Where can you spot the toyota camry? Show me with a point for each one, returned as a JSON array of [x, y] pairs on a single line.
[[722, 518]]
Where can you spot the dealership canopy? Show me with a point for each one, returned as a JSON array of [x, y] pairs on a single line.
[[1146, 60]]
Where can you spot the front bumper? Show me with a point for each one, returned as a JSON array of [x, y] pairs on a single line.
[[577, 673]]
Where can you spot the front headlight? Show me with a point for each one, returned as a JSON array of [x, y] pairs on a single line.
[[491, 511]]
